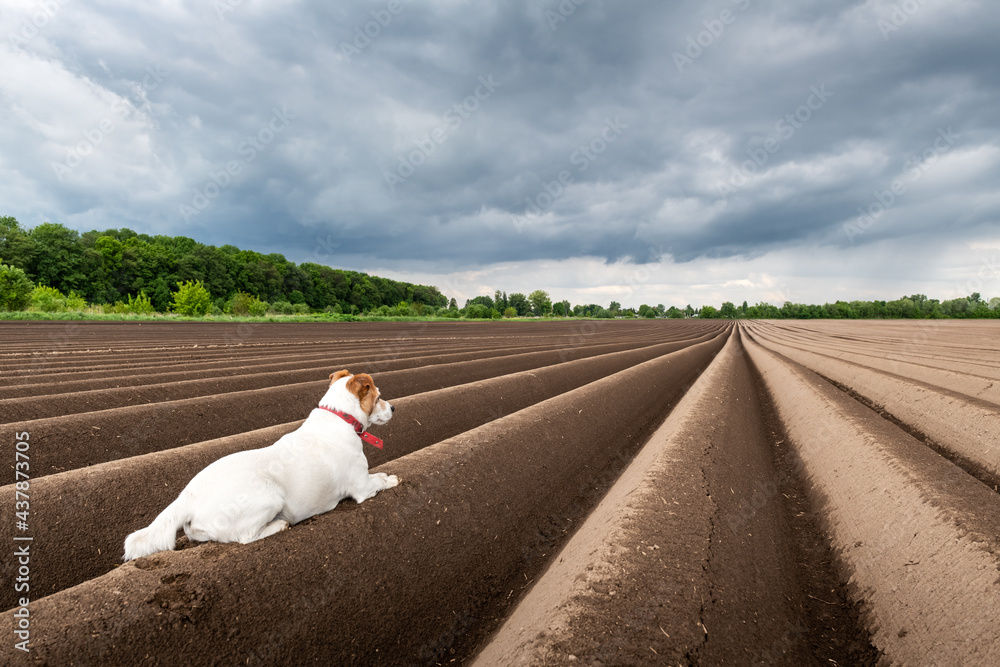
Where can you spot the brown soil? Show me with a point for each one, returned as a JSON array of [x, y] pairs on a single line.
[[914, 534], [523, 479], [792, 523], [709, 553], [120, 492]]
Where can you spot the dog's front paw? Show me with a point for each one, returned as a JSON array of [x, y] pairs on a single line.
[[391, 481]]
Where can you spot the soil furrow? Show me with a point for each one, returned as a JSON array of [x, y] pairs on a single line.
[[474, 515], [77, 440], [969, 428], [916, 535], [702, 553], [128, 494], [90, 400]]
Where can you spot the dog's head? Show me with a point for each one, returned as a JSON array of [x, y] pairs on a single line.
[[362, 388]]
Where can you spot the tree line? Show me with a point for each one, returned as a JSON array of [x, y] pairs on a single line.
[[120, 265], [53, 267], [916, 306]]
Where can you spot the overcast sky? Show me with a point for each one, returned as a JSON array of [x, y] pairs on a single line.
[[645, 152]]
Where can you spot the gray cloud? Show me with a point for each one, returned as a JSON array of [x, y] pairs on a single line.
[[386, 151]]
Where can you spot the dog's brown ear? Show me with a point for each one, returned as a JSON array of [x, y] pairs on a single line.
[[360, 385], [339, 374]]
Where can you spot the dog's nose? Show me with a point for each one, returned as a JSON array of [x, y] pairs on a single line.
[[392, 408]]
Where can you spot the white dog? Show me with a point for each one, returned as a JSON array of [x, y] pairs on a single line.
[[250, 495]]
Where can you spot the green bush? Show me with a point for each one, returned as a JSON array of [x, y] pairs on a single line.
[[258, 308], [48, 299], [137, 305], [15, 288], [282, 308], [243, 304], [192, 299], [75, 302], [510, 312]]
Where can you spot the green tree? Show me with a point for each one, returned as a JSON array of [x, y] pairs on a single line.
[[15, 288], [482, 300], [59, 257], [510, 312], [728, 310], [708, 313], [520, 303], [540, 302], [192, 299], [161, 295], [16, 245]]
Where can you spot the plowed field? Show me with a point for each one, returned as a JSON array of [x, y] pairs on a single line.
[[596, 493]]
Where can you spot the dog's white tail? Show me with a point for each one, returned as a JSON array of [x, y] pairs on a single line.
[[161, 535]]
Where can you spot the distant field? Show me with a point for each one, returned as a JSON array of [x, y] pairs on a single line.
[[625, 491]]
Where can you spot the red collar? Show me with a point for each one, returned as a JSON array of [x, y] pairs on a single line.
[[358, 428]]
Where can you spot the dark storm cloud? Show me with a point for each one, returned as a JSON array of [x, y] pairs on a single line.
[[474, 133]]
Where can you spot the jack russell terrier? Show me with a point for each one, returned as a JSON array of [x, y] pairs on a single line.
[[251, 495]]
